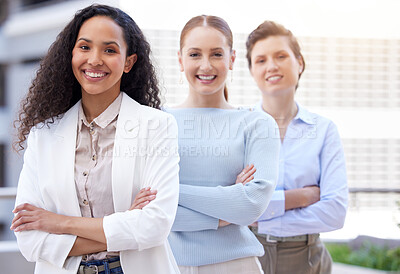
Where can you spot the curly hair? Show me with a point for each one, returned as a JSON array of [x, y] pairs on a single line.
[[55, 88]]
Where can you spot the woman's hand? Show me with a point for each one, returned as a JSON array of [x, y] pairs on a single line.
[[223, 223], [29, 217], [246, 175], [144, 197]]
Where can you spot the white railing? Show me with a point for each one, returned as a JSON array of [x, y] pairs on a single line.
[[8, 192]]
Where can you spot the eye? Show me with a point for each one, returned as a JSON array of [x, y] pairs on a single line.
[[84, 47], [282, 56], [218, 54], [260, 61], [194, 54], [110, 51]]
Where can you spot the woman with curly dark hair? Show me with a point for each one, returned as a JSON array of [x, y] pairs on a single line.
[[97, 155]]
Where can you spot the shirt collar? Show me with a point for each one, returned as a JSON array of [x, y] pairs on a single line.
[[302, 114], [105, 118]]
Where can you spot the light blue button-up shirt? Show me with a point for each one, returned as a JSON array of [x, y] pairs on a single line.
[[311, 154]]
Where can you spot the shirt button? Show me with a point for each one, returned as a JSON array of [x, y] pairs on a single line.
[[272, 213], [85, 173], [94, 157], [85, 202], [91, 131]]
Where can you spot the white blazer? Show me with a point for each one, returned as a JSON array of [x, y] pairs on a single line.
[[145, 154]]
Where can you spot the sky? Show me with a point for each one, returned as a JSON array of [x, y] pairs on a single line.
[[338, 18]]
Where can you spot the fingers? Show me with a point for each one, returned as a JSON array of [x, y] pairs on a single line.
[[21, 219], [141, 205], [249, 179], [145, 192], [246, 175], [144, 197], [24, 206]]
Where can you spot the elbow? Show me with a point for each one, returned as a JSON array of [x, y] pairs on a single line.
[[156, 234], [336, 220], [341, 216], [252, 213]]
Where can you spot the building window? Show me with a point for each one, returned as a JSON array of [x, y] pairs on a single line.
[[2, 85], [3, 11], [33, 3], [2, 164]]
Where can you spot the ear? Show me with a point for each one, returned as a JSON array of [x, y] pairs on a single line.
[[232, 59], [130, 61], [180, 61], [301, 65]]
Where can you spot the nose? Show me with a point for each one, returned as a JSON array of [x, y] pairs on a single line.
[[271, 65], [205, 64], [95, 58]]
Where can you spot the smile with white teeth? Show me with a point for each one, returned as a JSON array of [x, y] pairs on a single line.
[[206, 77], [94, 74], [274, 78]]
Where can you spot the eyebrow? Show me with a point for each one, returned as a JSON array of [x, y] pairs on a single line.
[[276, 52], [200, 49], [105, 43]]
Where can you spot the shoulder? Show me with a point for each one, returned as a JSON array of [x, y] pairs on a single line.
[[320, 121], [130, 105], [321, 126], [259, 119]]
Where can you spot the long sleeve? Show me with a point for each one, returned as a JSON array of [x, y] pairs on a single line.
[[38, 245], [149, 227], [190, 220], [329, 213], [238, 203]]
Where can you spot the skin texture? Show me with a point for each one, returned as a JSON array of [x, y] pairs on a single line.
[[206, 53], [29, 217], [274, 66], [100, 48], [273, 57]]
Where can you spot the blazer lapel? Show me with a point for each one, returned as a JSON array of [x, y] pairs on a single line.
[[64, 161], [125, 152]]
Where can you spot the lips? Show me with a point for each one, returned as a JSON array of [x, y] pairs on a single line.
[[274, 78], [206, 77], [94, 75]]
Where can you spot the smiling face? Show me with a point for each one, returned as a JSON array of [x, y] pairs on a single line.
[[206, 59], [99, 57], [274, 66]]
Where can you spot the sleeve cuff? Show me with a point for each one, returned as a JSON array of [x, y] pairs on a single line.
[[56, 248], [276, 207]]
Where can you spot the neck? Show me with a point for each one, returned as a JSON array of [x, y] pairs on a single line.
[[282, 108], [215, 100], [94, 105]]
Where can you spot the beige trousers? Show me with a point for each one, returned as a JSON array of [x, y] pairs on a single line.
[[295, 257], [249, 265]]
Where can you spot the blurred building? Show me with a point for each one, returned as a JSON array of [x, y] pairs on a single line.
[[343, 78]]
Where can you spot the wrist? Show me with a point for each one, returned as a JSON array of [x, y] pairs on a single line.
[[67, 225]]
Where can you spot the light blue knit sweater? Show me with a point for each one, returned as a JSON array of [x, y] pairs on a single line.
[[214, 146]]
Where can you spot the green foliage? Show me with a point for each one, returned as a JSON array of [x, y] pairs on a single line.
[[368, 255]]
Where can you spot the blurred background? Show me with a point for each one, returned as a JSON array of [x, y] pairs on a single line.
[[352, 76]]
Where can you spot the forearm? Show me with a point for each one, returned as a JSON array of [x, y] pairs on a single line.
[[236, 204], [84, 246], [88, 228], [190, 220], [301, 197]]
